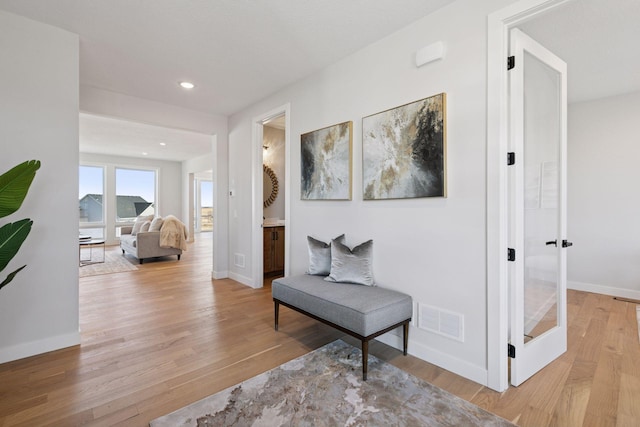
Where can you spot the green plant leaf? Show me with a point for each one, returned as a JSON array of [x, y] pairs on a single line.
[[10, 277], [12, 235], [14, 185]]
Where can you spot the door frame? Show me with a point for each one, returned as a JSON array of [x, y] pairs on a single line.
[[498, 25], [256, 188]]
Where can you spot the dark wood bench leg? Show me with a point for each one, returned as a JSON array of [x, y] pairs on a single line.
[[276, 312], [365, 359], [405, 328]]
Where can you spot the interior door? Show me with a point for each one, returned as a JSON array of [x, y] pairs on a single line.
[[537, 207]]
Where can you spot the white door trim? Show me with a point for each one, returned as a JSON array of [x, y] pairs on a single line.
[[498, 25], [256, 188]]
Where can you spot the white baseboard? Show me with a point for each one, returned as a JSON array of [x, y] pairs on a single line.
[[242, 279], [216, 275], [32, 348], [445, 361], [606, 290]]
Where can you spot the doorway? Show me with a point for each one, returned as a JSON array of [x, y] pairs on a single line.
[[271, 194], [273, 186], [498, 291]]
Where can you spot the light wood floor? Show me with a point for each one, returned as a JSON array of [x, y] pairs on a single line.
[[164, 336]]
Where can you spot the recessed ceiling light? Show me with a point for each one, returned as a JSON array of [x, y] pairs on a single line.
[[163, 143], [187, 85], [144, 153]]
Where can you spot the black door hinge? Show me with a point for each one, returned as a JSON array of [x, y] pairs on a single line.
[[511, 254], [511, 351], [511, 158], [511, 62]]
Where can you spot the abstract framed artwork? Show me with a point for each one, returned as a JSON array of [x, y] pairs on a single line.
[[326, 163], [404, 151]]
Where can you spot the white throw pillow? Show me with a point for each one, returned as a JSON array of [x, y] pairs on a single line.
[[138, 224], [145, 226], [156, 224]]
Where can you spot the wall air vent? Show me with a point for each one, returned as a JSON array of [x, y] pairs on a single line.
[[238, 260], [441, 322]]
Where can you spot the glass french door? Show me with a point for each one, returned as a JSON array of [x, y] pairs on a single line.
[[537, 207]]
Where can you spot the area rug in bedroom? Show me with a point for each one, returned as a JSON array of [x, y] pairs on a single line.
[[325, 388], [114, 262]]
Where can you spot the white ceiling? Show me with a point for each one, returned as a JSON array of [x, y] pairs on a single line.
[[103, 135], [239, 51], [235, 51], [598, 41]]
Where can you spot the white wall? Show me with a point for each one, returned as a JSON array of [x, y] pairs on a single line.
[[274, 158], [603, 197], [433, 249], [39, 111], [169, 176], [113, 104]]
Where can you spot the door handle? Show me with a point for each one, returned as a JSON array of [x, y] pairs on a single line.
[[552, 242], [566, 244]]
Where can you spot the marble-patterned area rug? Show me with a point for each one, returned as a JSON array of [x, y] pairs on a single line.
[[325, 388], [114, 263]]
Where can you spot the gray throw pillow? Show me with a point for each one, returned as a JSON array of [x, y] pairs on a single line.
[[351, 265], [320, 256]]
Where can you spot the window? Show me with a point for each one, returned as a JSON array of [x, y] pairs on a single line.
[[204, 207], [135, 193], [91, 200]]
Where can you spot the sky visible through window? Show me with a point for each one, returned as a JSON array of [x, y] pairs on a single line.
[[129, 182], [135, 182], [206, 194], [90, 178]]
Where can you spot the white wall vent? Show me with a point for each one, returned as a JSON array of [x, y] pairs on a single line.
[[441, 322], [238, 260]]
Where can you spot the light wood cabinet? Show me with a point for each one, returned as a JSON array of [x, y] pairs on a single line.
[[273, 249]]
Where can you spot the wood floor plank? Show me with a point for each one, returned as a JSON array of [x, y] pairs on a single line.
[[166, 335]]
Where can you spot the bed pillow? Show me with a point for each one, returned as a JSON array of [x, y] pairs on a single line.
[[351, 265], [320, 256]]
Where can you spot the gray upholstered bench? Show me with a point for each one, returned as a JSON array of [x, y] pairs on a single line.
[[364, 312]]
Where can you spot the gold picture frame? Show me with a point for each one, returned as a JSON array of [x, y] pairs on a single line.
[[404, 151], [325, 163]]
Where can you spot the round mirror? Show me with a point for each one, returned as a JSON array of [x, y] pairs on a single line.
[[269, 186]]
